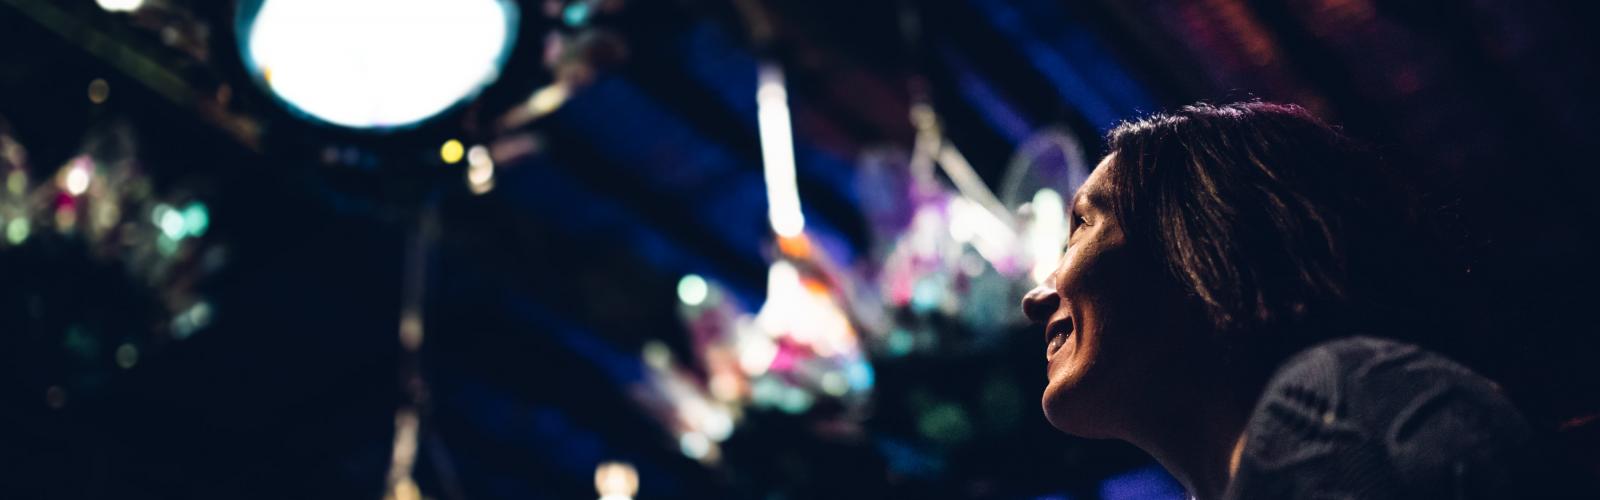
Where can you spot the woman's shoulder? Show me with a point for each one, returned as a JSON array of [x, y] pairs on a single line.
[[1366, 414], [1375, 376]]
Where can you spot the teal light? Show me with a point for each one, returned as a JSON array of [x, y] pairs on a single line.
[[901, 342], [576, 14], [195, 219]]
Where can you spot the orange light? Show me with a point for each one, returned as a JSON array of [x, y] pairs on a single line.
[[797, 246]]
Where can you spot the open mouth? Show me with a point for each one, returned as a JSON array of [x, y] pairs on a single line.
[[1056, 336]]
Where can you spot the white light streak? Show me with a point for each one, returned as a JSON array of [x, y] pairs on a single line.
[[777, 152]]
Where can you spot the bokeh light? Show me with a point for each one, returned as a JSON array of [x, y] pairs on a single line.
[[99, 91], [75, 180], [17, 231], [616, 480], [170, 221], [694, 445], [452, 151], [480, 170], [692, 290], [196, 219], [127, 356]]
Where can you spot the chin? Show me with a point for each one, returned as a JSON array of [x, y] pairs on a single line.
[[1070, 411]]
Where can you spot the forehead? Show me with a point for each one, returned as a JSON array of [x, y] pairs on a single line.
[[1093, 191]]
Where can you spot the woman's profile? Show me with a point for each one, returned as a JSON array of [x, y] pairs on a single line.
[[1242, 295]]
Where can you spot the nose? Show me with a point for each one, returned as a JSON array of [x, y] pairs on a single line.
[[1039, 303]]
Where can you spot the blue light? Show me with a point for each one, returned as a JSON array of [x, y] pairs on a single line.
[[926, 295], [861, 376]]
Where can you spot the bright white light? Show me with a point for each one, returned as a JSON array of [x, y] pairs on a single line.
[[377, 63], [716, 424], [480, 170], [804, 314], [785, 299], [756, 353], [77, 180], [777, 152], [120, 5], [694, 445], [971, 223], [616, 480], [172, 224], [692, 290], [1047, 233]]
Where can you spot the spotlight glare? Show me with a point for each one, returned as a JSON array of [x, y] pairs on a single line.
[[120, 5], [376, 63]]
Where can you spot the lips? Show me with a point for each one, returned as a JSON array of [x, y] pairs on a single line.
[[1055, 336]]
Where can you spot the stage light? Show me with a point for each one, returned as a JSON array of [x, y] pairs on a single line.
[[692, 290], [452, 151], [480, 170], [120, 5], [375, 63], [777, 152], [616, 480]]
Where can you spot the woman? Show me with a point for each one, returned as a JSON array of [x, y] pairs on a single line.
[[1233, 281]]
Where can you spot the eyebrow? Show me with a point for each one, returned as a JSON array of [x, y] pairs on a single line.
[[1093, 198]]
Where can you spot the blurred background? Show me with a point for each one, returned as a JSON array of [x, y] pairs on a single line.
[[473, 249]]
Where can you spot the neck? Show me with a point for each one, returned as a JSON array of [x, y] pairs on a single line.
[[1198, 438]]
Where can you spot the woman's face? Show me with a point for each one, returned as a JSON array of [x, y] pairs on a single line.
[[1111, 325]]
